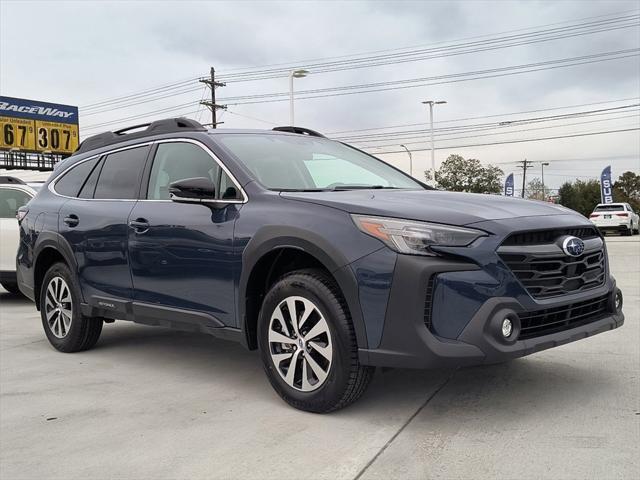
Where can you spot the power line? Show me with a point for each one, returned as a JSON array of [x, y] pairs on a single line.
[[177, 88], [516, 141], [485, 116], [478, 77], [564, 125], [553, 63], [168, 86], [291, 64], [409, 134], [451, 50]]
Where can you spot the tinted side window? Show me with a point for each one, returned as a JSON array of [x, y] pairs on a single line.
[[90, 184], [10, 200], [72, 181], [177, 161], [120, 174]]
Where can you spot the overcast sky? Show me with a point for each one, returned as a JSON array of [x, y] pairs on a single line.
[[79, 53]]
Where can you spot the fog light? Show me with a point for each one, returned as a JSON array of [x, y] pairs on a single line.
[[618, 301], [507, 328]]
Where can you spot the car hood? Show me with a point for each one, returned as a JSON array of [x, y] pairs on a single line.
[[437, 206]]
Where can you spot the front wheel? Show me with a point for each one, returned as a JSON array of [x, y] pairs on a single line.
[[65, 326], [307, 343]]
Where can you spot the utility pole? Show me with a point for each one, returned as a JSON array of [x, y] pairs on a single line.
[[544, 190], [212, 105], [431, 103], [525, 164]]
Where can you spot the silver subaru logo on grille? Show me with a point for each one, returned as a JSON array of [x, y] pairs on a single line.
[[573, 246]]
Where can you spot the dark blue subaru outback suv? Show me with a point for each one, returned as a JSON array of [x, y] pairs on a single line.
[[326, 259]]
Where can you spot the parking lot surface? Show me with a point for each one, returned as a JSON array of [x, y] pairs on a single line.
[[150, 403]]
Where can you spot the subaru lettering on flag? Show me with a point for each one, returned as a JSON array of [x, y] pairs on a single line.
[[606, 189], [508, 186]]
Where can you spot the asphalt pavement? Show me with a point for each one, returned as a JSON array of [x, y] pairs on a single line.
[[151, 403]]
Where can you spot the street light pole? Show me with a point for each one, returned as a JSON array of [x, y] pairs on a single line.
[[544, 190], [431, 103], [410, 159], [294, 74]]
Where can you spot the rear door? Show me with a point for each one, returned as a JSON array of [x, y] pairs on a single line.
[[95, 224], [11, 198], [182, 258]]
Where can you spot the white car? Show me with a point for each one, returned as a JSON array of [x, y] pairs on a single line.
[[616, 217], [14, 193]]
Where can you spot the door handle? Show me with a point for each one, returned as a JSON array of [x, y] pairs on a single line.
[[140, 225], [71, 220]]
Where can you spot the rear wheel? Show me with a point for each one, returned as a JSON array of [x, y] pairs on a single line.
[[65, 326], [628, 232], [308, 344]]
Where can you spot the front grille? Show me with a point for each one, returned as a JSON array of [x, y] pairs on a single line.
[[549, 276], [557, 319], [537, 260], [428, 302], [539, 237]]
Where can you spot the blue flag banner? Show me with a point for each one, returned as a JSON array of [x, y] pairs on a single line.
[[606, 189], [508, 186]]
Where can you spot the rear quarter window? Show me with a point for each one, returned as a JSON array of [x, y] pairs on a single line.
[[72, 181], [121, 173]]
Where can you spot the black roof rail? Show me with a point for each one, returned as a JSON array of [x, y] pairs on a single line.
[[6, 180], [168, 125], [300, 131]]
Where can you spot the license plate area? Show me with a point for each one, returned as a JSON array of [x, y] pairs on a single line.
[[607, 217]]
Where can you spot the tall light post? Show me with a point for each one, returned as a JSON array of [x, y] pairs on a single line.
[[431, 103], [544, 190], [410, 159], [294, 74]]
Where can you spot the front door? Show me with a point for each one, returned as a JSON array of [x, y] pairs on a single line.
[[182, 259]]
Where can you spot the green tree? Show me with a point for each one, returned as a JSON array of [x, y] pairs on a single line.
[[458, 174], [580, 196], [627, 189], [536, 191]]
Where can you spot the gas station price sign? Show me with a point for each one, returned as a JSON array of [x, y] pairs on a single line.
[[34, 126]]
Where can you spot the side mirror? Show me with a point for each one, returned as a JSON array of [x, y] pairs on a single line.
[[192, 189]]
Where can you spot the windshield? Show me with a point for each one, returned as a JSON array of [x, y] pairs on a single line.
[[296, 162], [609, 208]]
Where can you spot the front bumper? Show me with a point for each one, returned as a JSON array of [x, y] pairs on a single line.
[[408, 342]]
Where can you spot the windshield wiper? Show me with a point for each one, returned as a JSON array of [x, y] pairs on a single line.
[[357, 187], [338, 188]]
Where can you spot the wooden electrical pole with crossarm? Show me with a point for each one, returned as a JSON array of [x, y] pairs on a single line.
[[212, 105]]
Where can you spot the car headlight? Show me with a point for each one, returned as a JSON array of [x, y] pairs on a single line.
[[408, 236]]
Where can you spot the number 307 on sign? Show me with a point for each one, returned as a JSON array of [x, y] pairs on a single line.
[[56, 137]]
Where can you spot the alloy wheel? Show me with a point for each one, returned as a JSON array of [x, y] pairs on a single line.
[[300, 343], [59, 307]]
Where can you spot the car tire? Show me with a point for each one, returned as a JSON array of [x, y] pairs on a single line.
[[628, 232], [11, 288], [334, 378], [66, 328]]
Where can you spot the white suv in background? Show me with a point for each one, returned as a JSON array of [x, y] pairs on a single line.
[[617, 217], [14, 193]]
